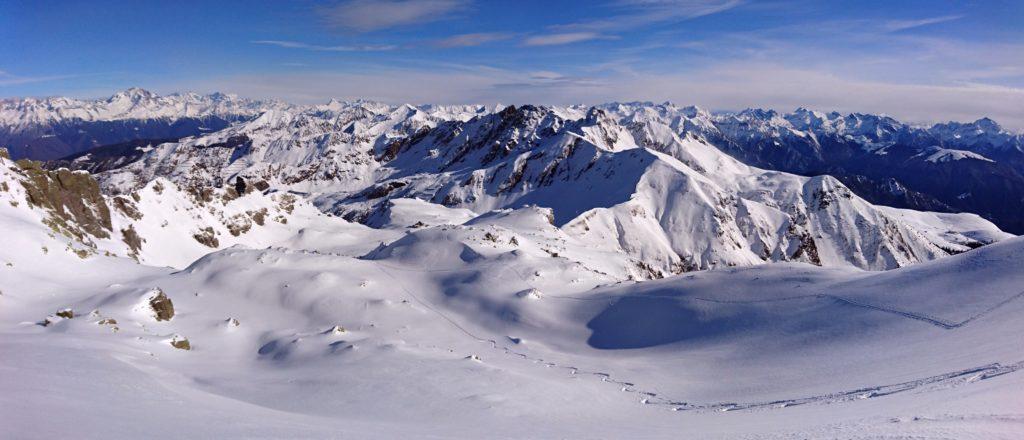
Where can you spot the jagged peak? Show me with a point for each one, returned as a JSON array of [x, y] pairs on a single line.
[[133, 93]]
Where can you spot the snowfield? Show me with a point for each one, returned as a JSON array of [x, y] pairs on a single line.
[[364, 271], [431, 335]]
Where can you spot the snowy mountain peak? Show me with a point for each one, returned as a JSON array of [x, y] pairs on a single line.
[[135, 94]]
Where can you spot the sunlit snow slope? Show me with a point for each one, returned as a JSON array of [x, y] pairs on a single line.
[[502, 326]]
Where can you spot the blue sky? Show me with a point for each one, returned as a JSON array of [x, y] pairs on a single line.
[[918, 60]]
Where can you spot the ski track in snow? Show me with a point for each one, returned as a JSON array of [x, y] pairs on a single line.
[[954, 378]]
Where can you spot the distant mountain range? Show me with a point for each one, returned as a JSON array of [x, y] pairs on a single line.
[[51, 128], [345, 151]]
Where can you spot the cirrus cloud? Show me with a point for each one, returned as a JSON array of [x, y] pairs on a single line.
[[475, 39], [320, 48], [564, 38], [360, 16]]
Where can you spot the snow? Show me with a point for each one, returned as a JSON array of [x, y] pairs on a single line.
[[133, 103], [950, 230], [686, 203], [941, 155], [771, 351], [505, 288]]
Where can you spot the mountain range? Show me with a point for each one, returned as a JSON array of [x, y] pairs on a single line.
[[467, 271], [973, 167]]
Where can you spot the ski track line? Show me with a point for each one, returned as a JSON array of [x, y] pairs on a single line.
[[954, 378]]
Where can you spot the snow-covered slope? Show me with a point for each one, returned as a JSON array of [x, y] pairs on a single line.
[[637, 184], [881, 159], [161, 224], [364, 270], [480, 330]]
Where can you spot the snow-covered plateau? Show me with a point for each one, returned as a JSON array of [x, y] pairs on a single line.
[[356, 270]]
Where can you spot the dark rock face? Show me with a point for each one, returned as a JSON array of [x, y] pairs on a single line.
[[107, 157], [162, 306], [127, 207], [132, 239], [240, 185]]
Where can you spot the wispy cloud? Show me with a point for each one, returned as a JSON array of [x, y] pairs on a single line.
[[315, 47], [547, 79], [477, 39], [360, 16], [7, 79], [900, 25], [564, 38], [630, 14]]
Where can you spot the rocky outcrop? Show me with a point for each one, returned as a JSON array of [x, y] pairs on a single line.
[[181, 343], [207, 237], [72, 198], [163, 308]]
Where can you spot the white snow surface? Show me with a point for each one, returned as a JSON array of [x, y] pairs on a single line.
[[502, 289], [625, 179], [941, 155], [502, 325]]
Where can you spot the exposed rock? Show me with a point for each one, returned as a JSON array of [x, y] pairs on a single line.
[[229, 194], [66, 313], [126, 206], [238, 224], [132, 239], [72, 198], [207, 237], [260, 217], [382, 190], [287, 203], [240, 185], [201, 194], [181, 343], [162, 306]]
